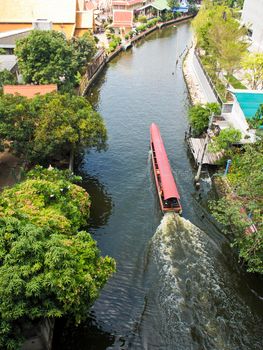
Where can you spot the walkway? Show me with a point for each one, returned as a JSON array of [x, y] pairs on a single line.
[[199, 88]]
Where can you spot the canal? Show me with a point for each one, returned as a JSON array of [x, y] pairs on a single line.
[[177, 285]]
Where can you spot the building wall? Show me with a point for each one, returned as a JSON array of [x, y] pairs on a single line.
[[253, 14]]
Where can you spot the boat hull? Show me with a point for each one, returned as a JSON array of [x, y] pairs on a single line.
[[162, 172]]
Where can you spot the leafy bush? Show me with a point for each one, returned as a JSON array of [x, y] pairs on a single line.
[[199, 116], [152, 22], [7, 77], [141, 28], [131, 33], [245, 178], [127, 36], [48, 267], [142, 19], [225, 139]]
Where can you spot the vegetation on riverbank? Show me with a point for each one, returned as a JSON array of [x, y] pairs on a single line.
[[222, 49], [220, 41], [199, 116], [49, 128], [242, 203], [50, 266]]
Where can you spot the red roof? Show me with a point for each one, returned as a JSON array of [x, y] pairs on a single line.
[[29, 90], [89, 5], [120, 2], [122, 18], [127, 2], [133, 2], [168, 184]]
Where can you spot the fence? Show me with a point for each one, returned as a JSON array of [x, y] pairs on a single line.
[[209, 79], [93, 67]]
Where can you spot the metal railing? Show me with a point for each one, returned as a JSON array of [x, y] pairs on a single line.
[[98, 60]]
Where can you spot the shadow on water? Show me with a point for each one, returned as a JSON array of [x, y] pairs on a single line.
[[101, 202], [89, 336]]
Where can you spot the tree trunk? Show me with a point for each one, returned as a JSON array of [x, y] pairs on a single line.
[[71, 159]]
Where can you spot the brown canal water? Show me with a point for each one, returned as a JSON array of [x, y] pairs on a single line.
[[177, 286]]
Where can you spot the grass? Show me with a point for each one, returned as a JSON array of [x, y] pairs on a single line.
[[235, 82]]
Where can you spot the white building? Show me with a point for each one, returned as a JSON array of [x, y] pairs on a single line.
[[252, 16]]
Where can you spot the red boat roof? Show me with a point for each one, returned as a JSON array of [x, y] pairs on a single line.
[[168, 184]]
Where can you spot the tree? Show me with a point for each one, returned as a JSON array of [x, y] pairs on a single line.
[[47, 269], [199, 116], [67, 124], [85, 48], [172, 4], [50, 127], [17, 124], [220, 35], [46, 57], [225, 139], [226, 38], [6, 77], [252, 63], [201, 24]]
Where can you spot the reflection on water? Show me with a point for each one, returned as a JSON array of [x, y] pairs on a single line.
[[101, 202]]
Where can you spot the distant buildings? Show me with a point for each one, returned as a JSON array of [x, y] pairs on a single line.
[[68, 16], [252, 16]]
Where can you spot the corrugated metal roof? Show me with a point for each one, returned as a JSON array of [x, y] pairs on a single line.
[[249, 101], [7, 62]]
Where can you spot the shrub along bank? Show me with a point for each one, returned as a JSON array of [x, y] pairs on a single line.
[[242, 202]]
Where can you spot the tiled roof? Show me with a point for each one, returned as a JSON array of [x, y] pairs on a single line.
[[122, 18], [120, 2], [89, 5], [29, 90]]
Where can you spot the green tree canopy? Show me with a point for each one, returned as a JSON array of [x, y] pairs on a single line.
[[220, 35], [48, 127], [46, 57], [172, 3], [227, 41], [49, 266], [199, 116], [6, 77], [85, 48], [252, 63]]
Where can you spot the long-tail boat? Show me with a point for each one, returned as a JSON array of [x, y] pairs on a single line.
[[165, 184]]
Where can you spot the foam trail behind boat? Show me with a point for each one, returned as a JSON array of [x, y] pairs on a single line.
[[195, 308]]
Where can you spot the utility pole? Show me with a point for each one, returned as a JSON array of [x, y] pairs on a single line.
[[197, 177]]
